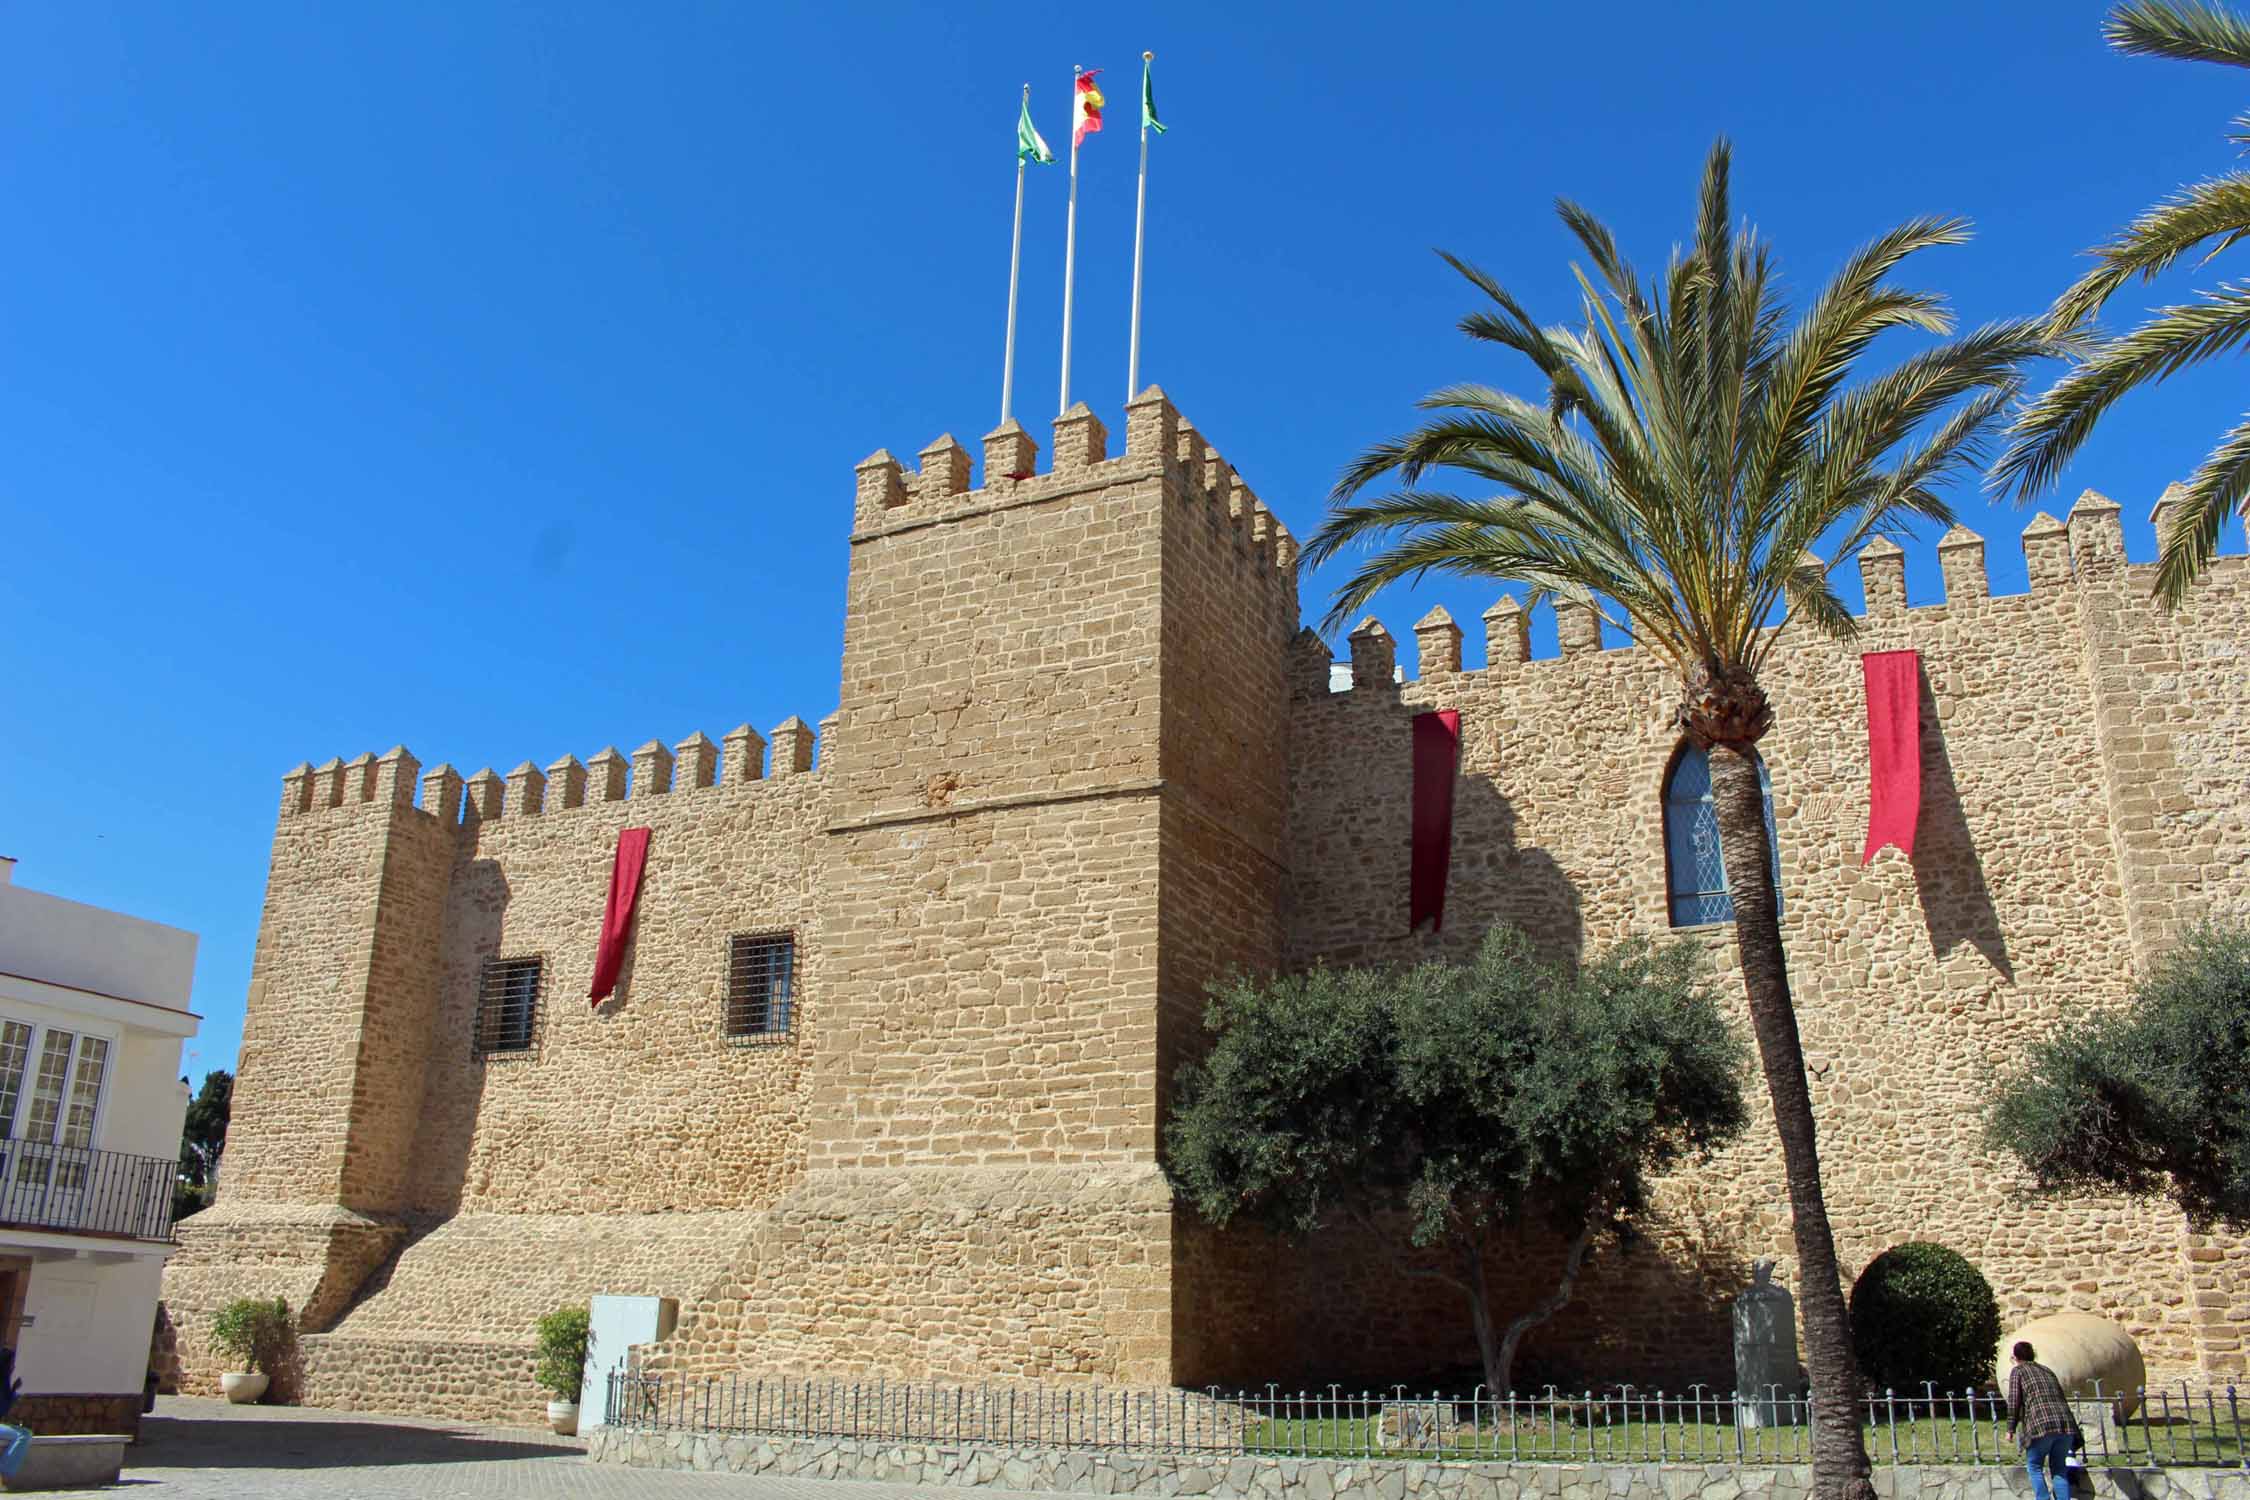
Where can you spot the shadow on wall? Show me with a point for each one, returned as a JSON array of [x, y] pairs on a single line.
[[448, 1126], [1496, 879], [1335, 1308], [1948, 876]]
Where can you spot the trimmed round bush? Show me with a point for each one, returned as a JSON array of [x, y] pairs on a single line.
[[1921, 1312]]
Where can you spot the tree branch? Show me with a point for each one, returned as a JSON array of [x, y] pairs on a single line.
[[1555, 1301]]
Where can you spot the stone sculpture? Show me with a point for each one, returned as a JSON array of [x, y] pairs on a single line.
[[1766, 1378], [2093, 1358]]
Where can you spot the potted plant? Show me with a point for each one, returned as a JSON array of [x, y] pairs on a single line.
[[252, 1335], [564, 1337]]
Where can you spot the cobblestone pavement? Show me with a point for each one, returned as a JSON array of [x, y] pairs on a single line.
[[195, 1449]]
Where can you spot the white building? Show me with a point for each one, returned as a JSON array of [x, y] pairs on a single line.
[[93, 1009]]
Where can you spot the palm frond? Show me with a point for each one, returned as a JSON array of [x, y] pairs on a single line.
[[1691, 441], [2217, 209], [2050, 429], [2187, 32], [2220, 485]]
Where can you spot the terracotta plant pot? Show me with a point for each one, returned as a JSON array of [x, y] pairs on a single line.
[[243, 1390], [563, 1417]]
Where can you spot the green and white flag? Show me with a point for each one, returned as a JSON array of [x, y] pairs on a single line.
[[1148, 99], [1029, 144]]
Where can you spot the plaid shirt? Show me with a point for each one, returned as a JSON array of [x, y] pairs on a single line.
[[2036, 1402]]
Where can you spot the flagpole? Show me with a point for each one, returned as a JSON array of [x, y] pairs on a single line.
[[1070, 240], [1140, 219], [1015, 263]]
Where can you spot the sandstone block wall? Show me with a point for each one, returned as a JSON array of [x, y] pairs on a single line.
[[642, 1104], [2053, 855]]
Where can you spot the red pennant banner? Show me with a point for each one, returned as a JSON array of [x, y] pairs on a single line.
[[1894, 749], [617, 917], [1437, 755]]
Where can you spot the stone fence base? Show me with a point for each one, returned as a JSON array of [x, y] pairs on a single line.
[[1244, 1477]]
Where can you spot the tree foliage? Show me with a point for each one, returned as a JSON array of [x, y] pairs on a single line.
[[2152, 1099], [1446, 1104], [2202, 219], [203, 1138], [564, 1337], [253, 1332], [1922, 1313]]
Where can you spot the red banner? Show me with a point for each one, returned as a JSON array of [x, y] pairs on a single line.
[[1894, 749], [1437, 755], [617, 917]]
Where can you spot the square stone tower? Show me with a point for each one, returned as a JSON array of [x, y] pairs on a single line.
[[1057, 807]]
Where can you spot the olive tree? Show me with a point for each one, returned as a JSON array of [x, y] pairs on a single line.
[[1456, 1106], [2150, 1100]]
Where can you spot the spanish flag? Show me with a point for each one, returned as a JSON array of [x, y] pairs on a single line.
[[1086, 112]]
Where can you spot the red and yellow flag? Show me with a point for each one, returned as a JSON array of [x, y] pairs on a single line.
[[1086, 111]]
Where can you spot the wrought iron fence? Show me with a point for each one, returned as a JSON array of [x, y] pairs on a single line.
[[82, 1191], [2151, 1427]]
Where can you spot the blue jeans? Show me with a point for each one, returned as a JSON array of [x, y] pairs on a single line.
[[2043, 1456]]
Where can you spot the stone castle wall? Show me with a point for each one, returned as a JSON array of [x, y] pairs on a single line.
[[2051, 721], [387, 1174], [1080, 768]]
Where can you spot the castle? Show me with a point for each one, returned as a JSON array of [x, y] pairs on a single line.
[[880, 1085]]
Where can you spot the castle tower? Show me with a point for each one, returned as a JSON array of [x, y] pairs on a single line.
[[1056, 811], [336, 1034]]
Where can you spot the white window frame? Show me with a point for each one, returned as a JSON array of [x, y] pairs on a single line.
[[78, 1027]]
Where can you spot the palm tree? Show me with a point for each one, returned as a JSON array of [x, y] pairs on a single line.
[[2215, 212], [1689, 450]]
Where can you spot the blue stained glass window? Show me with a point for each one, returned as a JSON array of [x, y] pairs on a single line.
[[1695, 868]]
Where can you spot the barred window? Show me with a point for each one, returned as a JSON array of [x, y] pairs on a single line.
[[507, 1005], [1695, 869], [760, 992]]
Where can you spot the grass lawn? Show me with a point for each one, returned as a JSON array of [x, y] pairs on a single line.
[[1928, 1440]]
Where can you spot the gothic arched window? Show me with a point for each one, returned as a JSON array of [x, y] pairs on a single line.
[[1695, 869]]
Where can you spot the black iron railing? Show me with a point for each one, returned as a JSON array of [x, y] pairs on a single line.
[[2180, 1426], [78, 1190]]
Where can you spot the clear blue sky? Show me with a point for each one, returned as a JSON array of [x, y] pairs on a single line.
[[488, 377]]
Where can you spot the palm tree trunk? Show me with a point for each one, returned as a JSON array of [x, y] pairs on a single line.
[[1840, 1468]]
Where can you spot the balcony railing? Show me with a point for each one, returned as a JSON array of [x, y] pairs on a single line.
[[77, 1190]]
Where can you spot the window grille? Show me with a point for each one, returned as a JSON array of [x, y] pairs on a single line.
[[507, 1005], [1695, 868], [760, 992]]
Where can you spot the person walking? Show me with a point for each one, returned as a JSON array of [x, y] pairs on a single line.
[[2040, 1418]]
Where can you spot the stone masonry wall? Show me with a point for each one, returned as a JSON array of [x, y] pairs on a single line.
[[1244, 1477], [623, 1152], [1914, 982], [641, 1105], [48, 1415]]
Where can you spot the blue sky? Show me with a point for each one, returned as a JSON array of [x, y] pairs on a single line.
[[488, 377]]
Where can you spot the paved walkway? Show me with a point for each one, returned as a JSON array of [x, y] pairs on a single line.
[[194, 1449]]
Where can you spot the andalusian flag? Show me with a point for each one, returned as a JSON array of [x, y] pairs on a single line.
[[1148, 98], [1030, 144], [1086, 112]]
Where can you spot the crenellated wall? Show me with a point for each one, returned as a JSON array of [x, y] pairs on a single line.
[[394, 1184], [2061, 848], [1083, 763]]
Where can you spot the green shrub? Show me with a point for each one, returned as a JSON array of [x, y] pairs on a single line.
[[1921, 1312], [2151, 1099], [253, 1334], [564, 1337]]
